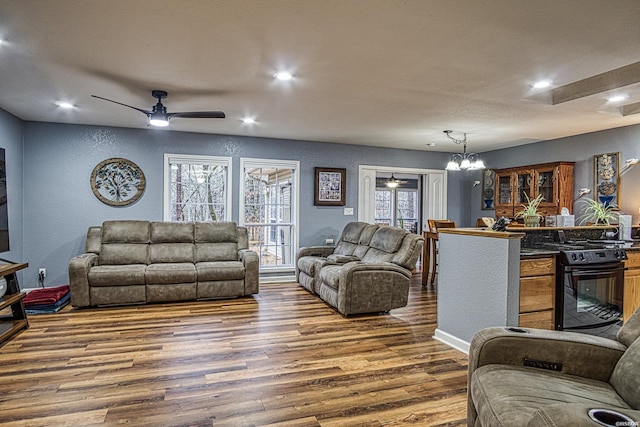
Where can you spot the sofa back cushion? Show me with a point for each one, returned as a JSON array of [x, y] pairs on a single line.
[[350, 238], [171, 232], [365, 240], [630, 331], [625, 378], [243, 238], [124, 242], [408, 254], [216, 241], [94, 240], [384, 244]]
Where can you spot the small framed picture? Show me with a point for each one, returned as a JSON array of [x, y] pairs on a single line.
[[330, 187]]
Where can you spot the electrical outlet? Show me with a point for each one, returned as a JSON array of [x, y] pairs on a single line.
[[42, 272]]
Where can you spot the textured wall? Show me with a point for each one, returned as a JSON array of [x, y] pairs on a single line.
[[59, 204]]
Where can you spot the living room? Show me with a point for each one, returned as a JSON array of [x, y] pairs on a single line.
[[51, 203]]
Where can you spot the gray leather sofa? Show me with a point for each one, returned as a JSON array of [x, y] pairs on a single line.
[[593, 373], [368, 271], [133, 262]]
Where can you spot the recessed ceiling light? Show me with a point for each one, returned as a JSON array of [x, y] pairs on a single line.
[[617, 98], [431, 144], [65, 105], [283, 75], [249, 121], [541, 84]]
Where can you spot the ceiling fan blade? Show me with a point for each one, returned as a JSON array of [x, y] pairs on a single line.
[[145, 112], [198, 115]]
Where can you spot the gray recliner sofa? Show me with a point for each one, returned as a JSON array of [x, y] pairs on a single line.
[[531, 377], [133, 262], [368, 271]]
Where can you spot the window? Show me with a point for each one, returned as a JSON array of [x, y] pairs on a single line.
[[399, 206], [197, 188], [269, 211]]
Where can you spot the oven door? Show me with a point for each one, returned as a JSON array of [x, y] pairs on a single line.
[[592, 299]]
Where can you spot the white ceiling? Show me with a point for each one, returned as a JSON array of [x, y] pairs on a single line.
[[392, 73]]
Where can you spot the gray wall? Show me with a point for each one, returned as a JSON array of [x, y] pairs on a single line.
[[579, 149], [59, 204]]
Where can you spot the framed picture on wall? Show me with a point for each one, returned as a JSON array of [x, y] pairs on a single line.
[[488, 189], [607, 179], [330, 187]]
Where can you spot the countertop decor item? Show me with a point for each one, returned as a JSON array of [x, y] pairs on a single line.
[[597, 212], [488, 189], [530, 213], [117, 182]]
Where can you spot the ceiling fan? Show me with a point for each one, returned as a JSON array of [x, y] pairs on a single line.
[[158, 116], [394, 182]]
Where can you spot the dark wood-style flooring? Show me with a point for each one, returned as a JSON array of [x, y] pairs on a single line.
[[280, 358]]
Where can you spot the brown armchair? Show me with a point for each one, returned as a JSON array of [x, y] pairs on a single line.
[[531, 377]]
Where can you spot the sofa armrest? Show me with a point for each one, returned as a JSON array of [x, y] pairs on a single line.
[[566, 414], [578, 354], [79, 267], [319, 251], [367, 287], [251, 263]]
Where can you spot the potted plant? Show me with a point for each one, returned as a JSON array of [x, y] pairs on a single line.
[[530, 213], [598, 213]]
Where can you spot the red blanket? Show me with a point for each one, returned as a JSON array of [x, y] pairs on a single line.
[[46, 295]]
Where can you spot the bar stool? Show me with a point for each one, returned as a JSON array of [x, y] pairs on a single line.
[[430, 249]]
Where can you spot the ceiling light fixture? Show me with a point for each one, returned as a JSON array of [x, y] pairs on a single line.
[[541, 84], [392, 182], [65, 105], [283, 75], [158, 119], [464, 160], [248, 121], [617, 98]]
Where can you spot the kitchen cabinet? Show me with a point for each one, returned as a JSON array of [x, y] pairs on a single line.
[[631, 285], [537, 292], [553, 180]]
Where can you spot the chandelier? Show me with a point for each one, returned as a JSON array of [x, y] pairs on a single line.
[[464, 160]]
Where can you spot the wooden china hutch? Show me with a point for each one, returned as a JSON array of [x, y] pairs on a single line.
[[553, 180]]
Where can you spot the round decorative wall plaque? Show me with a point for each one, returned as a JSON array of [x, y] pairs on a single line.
[[117, 182]]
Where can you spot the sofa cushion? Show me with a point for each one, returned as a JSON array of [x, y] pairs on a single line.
[[308, 264], [626, 375], [510, 395], [124, 253], [388, 239], [330, 275], [117, 275], [170, 273], [216, 252], [171, 252], [125, 231], [352, 232], [342, 259], [221, 270], [216, 232], [172, 232]]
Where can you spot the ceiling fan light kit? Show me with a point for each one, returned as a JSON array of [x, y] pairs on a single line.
[[464, 160], [159, 117]]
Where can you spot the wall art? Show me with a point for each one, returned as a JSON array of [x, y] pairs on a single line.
[[117, 182], [330, 187], [607, 179]]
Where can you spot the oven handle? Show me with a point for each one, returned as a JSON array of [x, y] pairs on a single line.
[[596, 272]]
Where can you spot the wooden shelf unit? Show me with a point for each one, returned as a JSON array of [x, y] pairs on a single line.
[[17, 321], [553, 180]]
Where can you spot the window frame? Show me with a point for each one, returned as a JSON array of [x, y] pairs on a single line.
[[199, 160], [294, 165]]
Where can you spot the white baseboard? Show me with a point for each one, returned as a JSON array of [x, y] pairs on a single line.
[[452, 341], [278, 279]]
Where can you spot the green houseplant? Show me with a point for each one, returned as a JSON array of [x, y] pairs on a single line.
[[530, 213], [598, 213]]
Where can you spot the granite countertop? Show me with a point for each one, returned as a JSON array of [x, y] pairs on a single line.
[[534, 252]]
